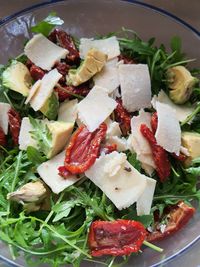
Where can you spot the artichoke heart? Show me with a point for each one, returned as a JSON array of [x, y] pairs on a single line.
[[181, 84], [31, 195], [93, 63]]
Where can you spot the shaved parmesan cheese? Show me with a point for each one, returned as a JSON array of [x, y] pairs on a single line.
[[45, 90], [109, 46], [145, 200], [95, 108], [108, 78], [182, 111], [113, 128], [44, 53], [112, 167], [147, 168], [124, 188], [33, 91], [168, 133], [48, 171], [138, 143], [135, 86], [68, 111], [4, 108], [120, 142], [25, 138], [185, 151]]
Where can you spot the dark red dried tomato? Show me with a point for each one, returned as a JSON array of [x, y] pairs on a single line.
[[154, 122], [14, 121], [65, 41], [178, 215], [107, 149], [159, 154], [29, 63], [126, 59], [123, 117], [63, 69], [62, 171], [84, 148], [117, 238], [64, 92], [36, 72], [2, 137]]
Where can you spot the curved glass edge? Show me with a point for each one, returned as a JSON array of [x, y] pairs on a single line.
[[151, 7]]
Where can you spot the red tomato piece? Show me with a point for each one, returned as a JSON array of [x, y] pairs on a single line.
[[123, 117], [126, 59], [178, 215], [14, 121], [117, 238], [63, 94], [36, 72], [84, 148], [65, 40], [2, 137], [159, 154], [107, 149]]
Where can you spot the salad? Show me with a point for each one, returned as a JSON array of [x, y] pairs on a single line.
[[99, 146]]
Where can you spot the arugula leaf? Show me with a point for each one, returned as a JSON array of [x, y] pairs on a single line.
[[132, 159], [46, 26], [176, 47], [34, 155], [41, 134]]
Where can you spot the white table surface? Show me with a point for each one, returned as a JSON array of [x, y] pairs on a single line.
[[189, 11]]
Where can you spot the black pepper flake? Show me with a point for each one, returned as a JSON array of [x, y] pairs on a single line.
[[127, 169], [116, 188]]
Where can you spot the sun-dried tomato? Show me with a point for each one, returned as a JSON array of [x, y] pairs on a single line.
[[64, 92], [159, 154], [14, 121], [84, 148], [107, 149], [154, 125], [154, 122], [126, 59], [178, 216], [123, 117], [36, 72], [62, 171], [117, 238], [65, 41], [63, 69], [29, 63], [2, 137]]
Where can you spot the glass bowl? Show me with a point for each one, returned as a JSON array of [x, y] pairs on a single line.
[[86, 18]]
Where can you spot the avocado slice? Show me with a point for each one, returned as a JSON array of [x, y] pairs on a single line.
[[50, 107], [93, 63], [191, 141], [181, 84], [61, 132], [17, 78]]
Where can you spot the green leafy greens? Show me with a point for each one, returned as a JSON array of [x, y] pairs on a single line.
[[47, 25]]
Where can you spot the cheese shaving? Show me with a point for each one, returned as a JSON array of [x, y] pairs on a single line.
[[48, 171], [95, 108], [4, 108], [45, 90], [109, 46], [124, 188], [168, 133], [182, 111], [135, 86], [44, 53]]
